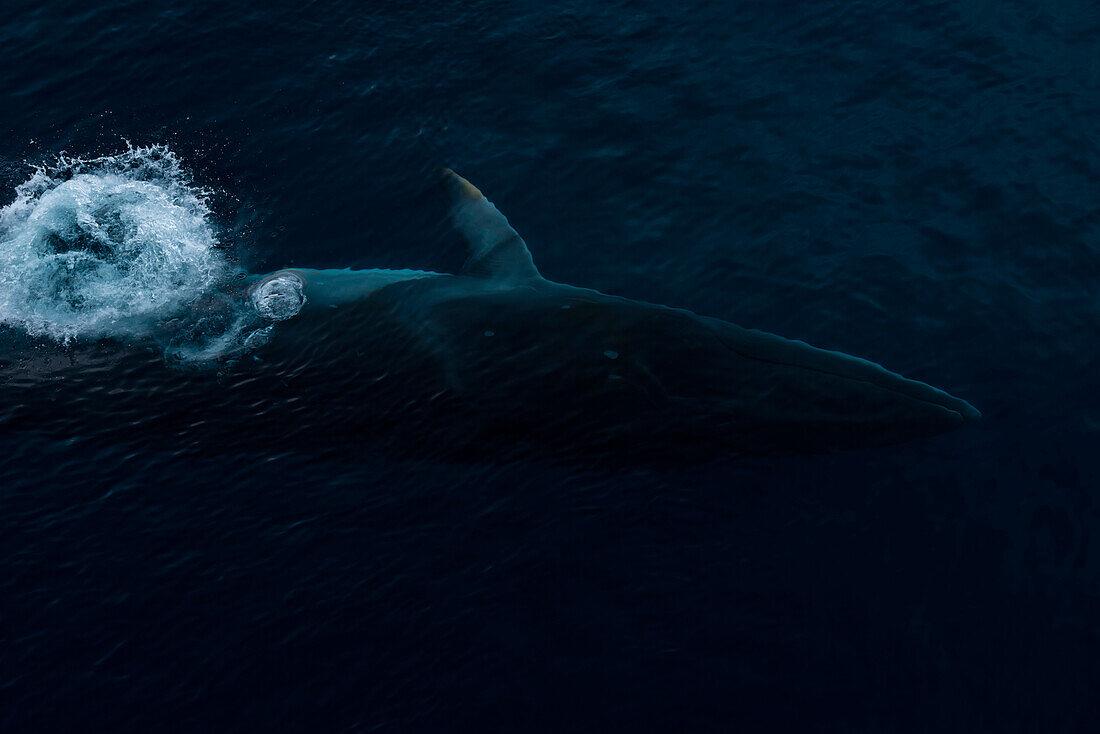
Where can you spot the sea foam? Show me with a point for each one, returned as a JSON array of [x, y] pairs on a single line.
[[106, 247]]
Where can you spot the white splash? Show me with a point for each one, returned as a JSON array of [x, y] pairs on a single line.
[[105, 247]]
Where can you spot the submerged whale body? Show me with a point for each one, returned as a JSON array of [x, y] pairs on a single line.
[[520, 357], [489, 360]]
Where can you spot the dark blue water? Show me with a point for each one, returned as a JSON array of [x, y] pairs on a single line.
[[914, 182]]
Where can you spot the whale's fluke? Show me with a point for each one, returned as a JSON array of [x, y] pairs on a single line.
[[493, 248]]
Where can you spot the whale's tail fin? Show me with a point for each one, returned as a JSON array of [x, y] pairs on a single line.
[[493, 248]]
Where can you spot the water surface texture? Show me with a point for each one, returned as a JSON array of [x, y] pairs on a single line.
[[917, 183]]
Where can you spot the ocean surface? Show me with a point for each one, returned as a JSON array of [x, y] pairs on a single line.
[[917, 183]]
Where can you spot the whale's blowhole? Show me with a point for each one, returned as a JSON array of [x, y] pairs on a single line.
[[279, 297]]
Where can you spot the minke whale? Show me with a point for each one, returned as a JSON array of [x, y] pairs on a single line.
[[546, 363], [489, 361]]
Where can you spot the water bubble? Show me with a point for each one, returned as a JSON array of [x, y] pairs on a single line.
[[258, 338], [279, 297]]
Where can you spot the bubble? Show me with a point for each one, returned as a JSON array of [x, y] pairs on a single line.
[[279, 297], [258, 338]]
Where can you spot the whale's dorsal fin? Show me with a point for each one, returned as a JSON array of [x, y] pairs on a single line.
[[493, 249]]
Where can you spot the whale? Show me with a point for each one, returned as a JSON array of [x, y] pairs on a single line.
[[491, 361], [554, 364]]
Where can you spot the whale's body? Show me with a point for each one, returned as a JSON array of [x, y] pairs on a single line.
[[552, 364], [497, 357]]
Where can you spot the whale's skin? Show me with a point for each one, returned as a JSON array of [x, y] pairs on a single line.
[[566, 367], [487, 362]]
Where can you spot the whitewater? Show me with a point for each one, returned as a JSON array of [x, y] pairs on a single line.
[[123, 247], [106, 246]]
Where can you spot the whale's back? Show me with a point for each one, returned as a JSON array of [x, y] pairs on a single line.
[[574, 366]]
